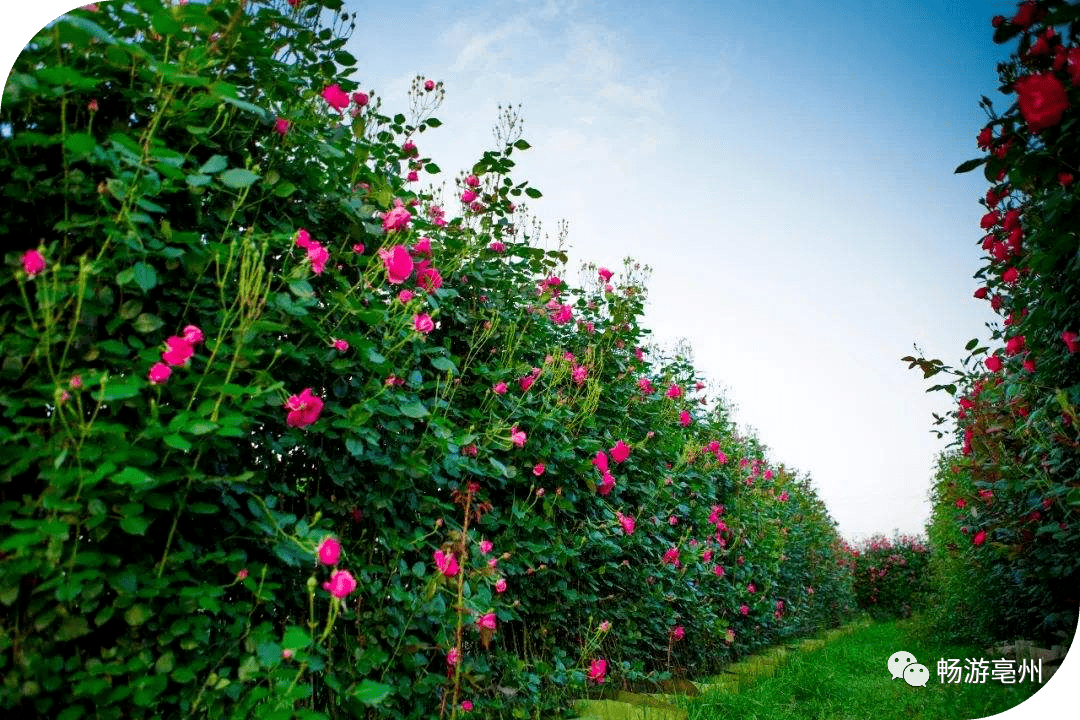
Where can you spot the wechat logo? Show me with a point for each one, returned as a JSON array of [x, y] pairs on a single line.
[[903, 665]]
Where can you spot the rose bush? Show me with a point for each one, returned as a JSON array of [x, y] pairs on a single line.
[[1004, 530], [289, 437]]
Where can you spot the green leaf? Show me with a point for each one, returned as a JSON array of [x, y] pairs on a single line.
[[522, 145], [295, 638], [80, 144], [201, 427], [120, 389], [433, 122], [73, 626], [969, 165], [135, 525], [177, 442], [198, 180], [163, 23], [238, 178], [214, 165], [370, 692], [971, 344], [137, 615], [147, 323], [533, 193], [414, 409], [443, 363], [145, 276], [285, 189], [131, 476]]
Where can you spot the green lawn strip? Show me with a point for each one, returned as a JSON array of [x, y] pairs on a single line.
[[847, 678], [673, 705]]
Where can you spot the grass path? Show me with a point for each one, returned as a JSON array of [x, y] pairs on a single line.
[[843, 675]]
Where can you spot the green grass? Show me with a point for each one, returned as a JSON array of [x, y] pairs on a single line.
[[846, 678]]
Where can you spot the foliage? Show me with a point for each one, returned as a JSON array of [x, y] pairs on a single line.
[[288, 438], [890, 576], [1012, 489]]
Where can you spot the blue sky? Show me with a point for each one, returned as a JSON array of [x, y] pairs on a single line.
[[785, 169]]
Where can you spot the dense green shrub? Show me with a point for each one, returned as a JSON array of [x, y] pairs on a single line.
[[288, 437], [890, 576], [1005, 530]]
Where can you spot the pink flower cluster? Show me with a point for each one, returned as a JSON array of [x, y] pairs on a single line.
[[316, 253], [178, 350], [341, 582]]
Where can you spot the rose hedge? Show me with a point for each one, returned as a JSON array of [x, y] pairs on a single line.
[[289, 438], [890, 575], [1004, 527]]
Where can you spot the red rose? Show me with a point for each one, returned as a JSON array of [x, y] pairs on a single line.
[[985, 136], [1025, 16], [1042, 100]]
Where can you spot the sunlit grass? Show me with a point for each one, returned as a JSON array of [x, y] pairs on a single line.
[[846, 678]]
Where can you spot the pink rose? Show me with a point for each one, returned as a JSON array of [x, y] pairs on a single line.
[[1010, 276], [446, 563], [517, 437], [341, 345], [466, 705], [978, 538], [405, 296], [607, 484], [744, 609], [1071, 340], [335, 97], [620, 451], [627, 523], [329, 550], [500, 585], [486, 546], [33, 262], [605, 274], [601, 461], [486, 621], [179, 351], [159, 373], [597, 670], [304, 409], [281, 126], [678, 633], [1042, 100], [472, 181], [605, 626], [496, 246], [684, 418], [398, 263], [423, 323], [396, 218], [453, 657], [427, 277], [341, 584], [499, 388], [468, 196], [674, 391], [361, 99], [671, 557], [538, 469], [429, 85], [192, 334]]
